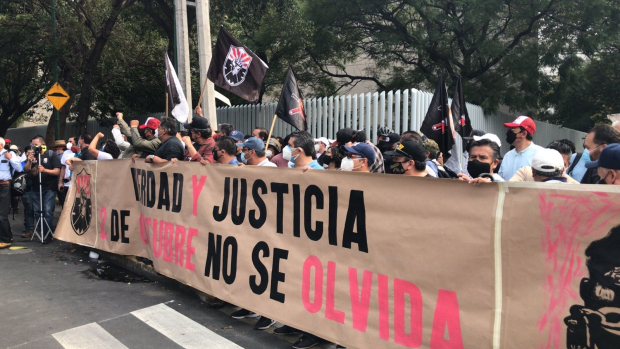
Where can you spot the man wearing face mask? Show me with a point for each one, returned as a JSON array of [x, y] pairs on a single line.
[[301, 151], [598, 138], [320, 145], [520, 134], [279, 159], [200, 132], [409, 159], [273, 149], [83, 143], [224, 151], [608, 165], [359, 158], [483, 159], [526, 173], [171, 147], [253, 153], [378, 165]]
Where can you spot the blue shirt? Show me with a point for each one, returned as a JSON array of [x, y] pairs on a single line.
[[234, 161], [580, 168], [513, 161], [313, 165], [7, 167]]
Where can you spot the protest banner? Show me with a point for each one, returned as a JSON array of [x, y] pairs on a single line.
[[364, 260]]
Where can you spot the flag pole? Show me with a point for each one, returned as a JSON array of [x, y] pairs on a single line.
[[166, 104], [201, 92], [271, 130]]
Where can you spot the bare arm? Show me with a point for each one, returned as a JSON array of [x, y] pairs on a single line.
[[92, 147]]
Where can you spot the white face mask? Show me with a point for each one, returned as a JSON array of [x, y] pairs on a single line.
[[346, 164], [156, 133], [317, 148], [269, 154], [286, 153], [69, 146]]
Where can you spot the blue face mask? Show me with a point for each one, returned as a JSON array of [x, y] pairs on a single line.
[[243, 159], [586, 155]]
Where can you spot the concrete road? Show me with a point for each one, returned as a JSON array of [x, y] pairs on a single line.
[[50, 297]]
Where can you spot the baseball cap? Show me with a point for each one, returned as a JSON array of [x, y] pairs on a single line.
[[364, 150], [253, 143], [392, 138], [323, 140], [236, 135], [410, 149], [7, 141], [523, 121], [151, 123], [493, 138], [198, 123], [609, 158], [344, 135], [431, 146], [547, 160], [474, 133]]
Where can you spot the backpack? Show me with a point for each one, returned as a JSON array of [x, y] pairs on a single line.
[[572, 166]]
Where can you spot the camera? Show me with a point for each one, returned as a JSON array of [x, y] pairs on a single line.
[[39, 149]]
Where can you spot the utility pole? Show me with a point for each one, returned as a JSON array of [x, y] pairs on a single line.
[[55, 68], [204, 55], [182, 49]]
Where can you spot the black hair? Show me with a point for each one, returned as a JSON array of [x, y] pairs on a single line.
[[528, 135], [227, 144], [561, 147], [360, 136], [260, 153], [304, 140], [112, 149], [246, 137], [206, 133], [26, 148], [337, 156], [605, 134], [262, 133], [419, 165], [86, 137], [489, 143], [570, 144], [170, 125], [226, 129], [40, 138], [413, 135], [280, 140]]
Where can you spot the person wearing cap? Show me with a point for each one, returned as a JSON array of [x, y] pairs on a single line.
[[147, 145], [389, 142], [547, 166], [597, 139], [320, 145], [60, 146], [224, 151], [483, 160], [253, 153], [239, 137], [301, 145], [201, 135], [608, 165], [520, 133], [378, 165], [279, 159], [64, 179], [434, 159], [273, 149], [525, 174], [409, 159], [359, 158], [170, 147]]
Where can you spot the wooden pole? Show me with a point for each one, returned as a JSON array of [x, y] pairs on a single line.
[[201, 92], [166, 104], [270, 131]]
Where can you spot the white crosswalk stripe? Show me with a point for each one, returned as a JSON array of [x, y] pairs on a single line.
[[91, 336], [182, 330]]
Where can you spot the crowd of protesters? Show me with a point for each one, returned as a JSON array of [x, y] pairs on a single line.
[[48, 171]]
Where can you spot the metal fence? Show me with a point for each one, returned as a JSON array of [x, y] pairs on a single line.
[[399, 110]]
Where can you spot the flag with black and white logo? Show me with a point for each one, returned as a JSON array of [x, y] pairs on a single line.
[[235, 68], [177, 104]]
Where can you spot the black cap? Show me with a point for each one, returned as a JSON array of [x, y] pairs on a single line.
[[478, 133], [198, 123], [344, 136], [410, 149], [392, 138]]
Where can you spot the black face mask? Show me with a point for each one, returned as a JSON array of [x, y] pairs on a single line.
[[381, 144], [325, 160], [397, 167], [215, 156], [511, 137], [476, 168]]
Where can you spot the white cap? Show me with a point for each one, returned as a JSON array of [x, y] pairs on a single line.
[[548, 160], [493, 138], [324, 141]]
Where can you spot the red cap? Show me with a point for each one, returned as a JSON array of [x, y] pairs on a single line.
[[151, 123], [6, 140], [523, 121]]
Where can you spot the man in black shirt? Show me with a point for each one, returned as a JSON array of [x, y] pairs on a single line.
[[46, 188], [83, 143], [171, 147]]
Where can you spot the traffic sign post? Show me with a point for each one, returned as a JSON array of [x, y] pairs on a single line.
[[57, 95]]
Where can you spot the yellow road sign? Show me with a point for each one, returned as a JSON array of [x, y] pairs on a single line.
[[57, 95]]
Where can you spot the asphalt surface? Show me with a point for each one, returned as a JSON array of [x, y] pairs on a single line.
[[50, 294]]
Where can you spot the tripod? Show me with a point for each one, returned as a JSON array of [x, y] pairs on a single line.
[[41, 220]]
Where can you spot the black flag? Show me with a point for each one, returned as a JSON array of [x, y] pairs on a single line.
[[437, 124], [235, 68], [176, 98], [290, 107], [460, 116]]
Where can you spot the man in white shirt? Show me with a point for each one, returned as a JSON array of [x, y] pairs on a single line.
[[520, 134], [253, 153], [64, 179]]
